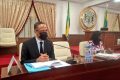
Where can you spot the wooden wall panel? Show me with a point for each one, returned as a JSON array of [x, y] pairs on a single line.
[[8, 50], [75, 39]]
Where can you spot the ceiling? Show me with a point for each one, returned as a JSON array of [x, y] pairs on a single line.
[[78, 1], [110, 5], [99, 3]]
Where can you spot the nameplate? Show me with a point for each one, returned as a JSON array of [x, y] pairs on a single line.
[[11, 63]]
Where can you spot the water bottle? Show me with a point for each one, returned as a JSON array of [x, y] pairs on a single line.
[[88, 54]]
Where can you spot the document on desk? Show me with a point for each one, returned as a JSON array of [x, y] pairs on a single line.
[[42, 66], [53, 63], [108, 56]]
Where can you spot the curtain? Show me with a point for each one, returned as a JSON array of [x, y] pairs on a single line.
[[46, 13], [14, 13], [119, 21], [116, 27], [28, 30], [113, 22]]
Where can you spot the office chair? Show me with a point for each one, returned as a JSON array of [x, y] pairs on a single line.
[[20, 49], [7, 37], [62, 50]]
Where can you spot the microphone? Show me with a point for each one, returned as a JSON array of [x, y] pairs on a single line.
[[69, 60], [62, 46]]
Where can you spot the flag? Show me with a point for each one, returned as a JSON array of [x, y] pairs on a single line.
[[67, 23], [105, 20]]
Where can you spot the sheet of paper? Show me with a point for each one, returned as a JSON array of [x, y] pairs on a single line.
[[55, 63], [109, 56]]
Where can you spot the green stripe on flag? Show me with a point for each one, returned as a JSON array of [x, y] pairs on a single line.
[[67, 23], [105, 20]]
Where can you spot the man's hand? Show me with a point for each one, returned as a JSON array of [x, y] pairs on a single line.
[[42, 58]]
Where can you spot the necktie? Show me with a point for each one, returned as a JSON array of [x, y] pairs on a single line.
[[41, 49]]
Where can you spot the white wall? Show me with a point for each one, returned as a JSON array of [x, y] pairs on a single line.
[[61, 15], [100, 17]]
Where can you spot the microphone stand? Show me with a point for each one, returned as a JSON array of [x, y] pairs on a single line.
[[69, 60], [62, 46]]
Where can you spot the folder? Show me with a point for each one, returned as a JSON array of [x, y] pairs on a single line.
[[30, 69]]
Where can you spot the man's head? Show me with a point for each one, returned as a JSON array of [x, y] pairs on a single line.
[[40, 29]]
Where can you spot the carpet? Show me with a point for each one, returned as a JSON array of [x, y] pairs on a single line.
[[5, 59]]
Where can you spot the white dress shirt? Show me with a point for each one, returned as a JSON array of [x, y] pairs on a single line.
[[38, 43]]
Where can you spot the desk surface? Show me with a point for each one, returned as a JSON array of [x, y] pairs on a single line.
[[101, 70]]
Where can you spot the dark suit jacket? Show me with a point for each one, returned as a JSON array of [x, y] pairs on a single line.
[[30, 50]]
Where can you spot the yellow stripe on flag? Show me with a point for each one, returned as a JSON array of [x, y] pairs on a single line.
[[67, 29], [67, 23], [105, 20]]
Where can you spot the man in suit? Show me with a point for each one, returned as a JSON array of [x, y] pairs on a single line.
[[39, 48]]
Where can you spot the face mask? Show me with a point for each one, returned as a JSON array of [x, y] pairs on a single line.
[[43, 35]]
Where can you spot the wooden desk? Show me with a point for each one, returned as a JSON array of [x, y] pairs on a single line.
[[103, 70]]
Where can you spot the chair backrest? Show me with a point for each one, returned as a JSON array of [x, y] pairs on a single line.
[[62, 50], [7, 37], [20, 49], [82, 48]]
